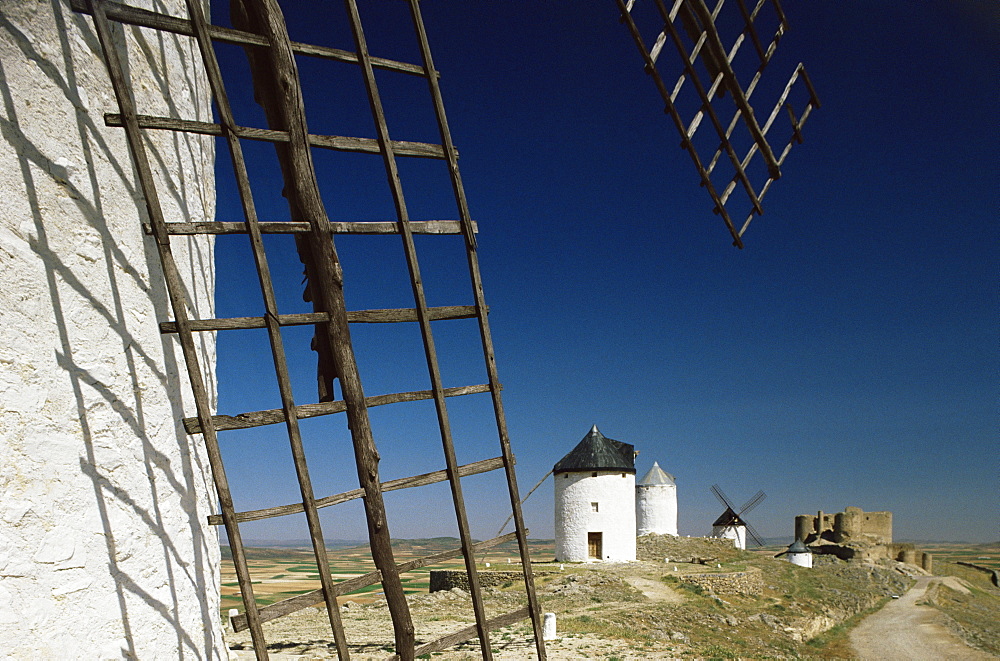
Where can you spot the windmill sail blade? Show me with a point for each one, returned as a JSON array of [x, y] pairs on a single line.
[[722, 497], [753, 502], [753, 534]]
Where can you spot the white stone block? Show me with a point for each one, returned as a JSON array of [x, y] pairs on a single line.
[[549, 627]]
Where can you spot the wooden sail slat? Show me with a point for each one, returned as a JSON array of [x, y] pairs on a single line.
[[129, 15], [484, 466], [299, 227], [275, 416], [719, 55], [307, 599], [332, 142], [385, 316], [279, 89], [273, 68]]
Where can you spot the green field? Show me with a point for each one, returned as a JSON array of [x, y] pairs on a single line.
[[280, 573], [983, 555]]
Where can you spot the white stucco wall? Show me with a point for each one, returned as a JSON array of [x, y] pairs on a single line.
[[104, 550], [575, 515], [736, 533], [656, 509], [800, 559]]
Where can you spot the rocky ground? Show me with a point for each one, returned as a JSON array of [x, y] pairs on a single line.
[[640, 610]]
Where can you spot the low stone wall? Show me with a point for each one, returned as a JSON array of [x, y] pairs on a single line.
[[994, 574], [447, 579], [748, 582]]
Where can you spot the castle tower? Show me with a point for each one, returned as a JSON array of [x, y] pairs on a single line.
[[656, 503], [595, 501]]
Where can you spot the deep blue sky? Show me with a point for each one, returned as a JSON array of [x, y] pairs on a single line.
[[848, 356]]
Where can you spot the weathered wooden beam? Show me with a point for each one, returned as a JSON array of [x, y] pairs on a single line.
[[336, 227], [127, 14], [280, 362], [303, 411], [468, 633], [475, 468], [332, 142], [282, 94], [385, 316], [720, 58]]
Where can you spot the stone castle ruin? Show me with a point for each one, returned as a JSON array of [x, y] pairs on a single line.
[[856, 535]]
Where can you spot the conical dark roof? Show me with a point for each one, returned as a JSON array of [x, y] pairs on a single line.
[[596, 452], [729, 518]]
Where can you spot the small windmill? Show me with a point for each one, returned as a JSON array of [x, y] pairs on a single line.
[[731, 524]]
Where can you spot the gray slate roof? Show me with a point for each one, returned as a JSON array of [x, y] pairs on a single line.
[[798, 546], [596, 452], [657, 476]]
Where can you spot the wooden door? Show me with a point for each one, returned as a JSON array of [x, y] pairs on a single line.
[[594, 545]]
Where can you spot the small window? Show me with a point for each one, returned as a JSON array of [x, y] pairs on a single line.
[[594, 474], [623, 474], [593, 507]]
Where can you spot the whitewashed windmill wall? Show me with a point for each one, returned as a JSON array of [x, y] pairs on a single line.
[[656, 503], [798, 554], [105, 551], [734, 530], [595, 501]]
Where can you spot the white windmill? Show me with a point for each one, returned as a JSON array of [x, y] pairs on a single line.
[[656, 503], [731, 524], [595, 501]]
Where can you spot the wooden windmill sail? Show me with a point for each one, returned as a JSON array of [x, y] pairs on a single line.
[[731, 524], [715, 81], [261, 28]]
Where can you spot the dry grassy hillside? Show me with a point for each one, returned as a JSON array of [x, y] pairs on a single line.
[[649, 609]]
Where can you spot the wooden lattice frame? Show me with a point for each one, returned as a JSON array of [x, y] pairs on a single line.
[[698, 29], [332, 319]]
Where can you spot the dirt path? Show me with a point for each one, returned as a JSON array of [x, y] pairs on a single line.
[[905, 630]]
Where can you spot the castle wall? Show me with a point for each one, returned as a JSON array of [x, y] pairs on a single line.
[[575, 515], [853, 524], [104, 547]]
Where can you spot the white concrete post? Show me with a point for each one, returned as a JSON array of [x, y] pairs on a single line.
[[549, 627]]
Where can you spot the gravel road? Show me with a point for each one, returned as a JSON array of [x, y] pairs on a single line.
[[904, 629]]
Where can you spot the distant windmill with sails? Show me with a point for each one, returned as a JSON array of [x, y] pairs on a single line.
[[731, 524]]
